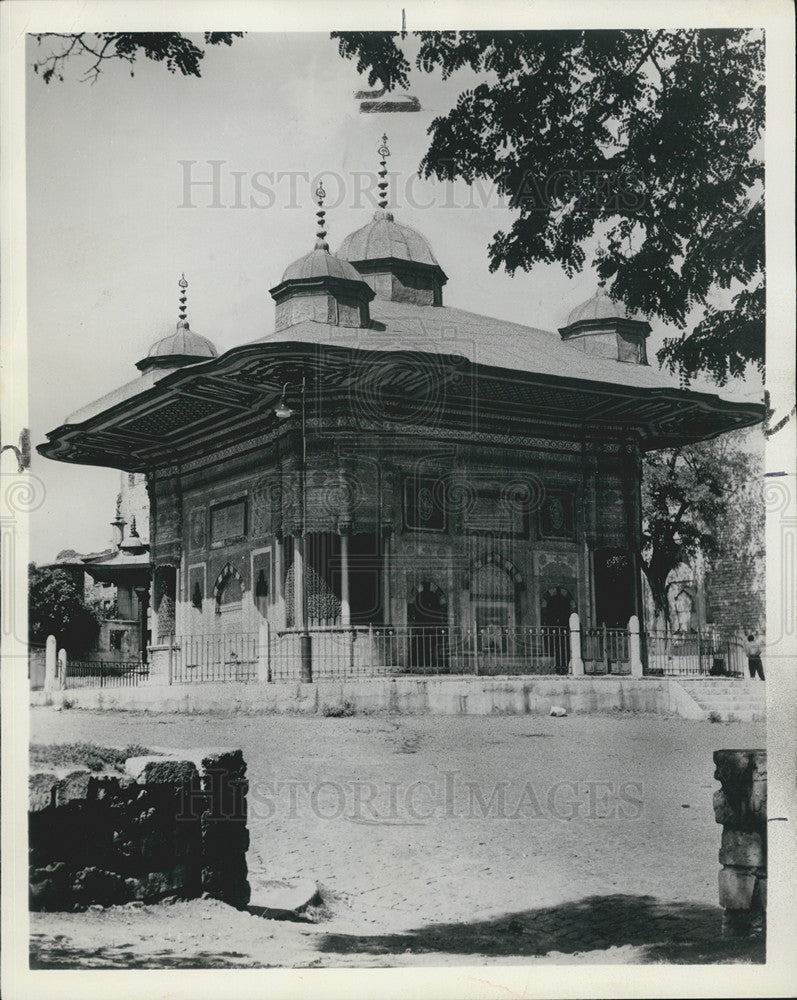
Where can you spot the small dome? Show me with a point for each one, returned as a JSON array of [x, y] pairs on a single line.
[[181, 347], [320, 264], [598, 306], [382, 238], [184, 342]]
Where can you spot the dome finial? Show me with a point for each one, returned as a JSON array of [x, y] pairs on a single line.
[[320, 194], [183, 298], [384, 152]]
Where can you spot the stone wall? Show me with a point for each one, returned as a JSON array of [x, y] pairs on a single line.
[[741, 807], [736, 594], [172, 825]]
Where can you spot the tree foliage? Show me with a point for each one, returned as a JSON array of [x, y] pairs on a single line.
[[702, 498], [646, 141], [57, 606], [179, 52]]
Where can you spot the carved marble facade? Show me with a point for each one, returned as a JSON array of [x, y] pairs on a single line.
[[499, 535]]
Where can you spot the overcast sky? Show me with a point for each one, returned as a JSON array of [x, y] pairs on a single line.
[[112, 224]]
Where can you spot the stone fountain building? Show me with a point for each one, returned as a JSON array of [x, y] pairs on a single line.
[[382, 459]]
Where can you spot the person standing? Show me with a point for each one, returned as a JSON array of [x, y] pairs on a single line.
[[754, 664]]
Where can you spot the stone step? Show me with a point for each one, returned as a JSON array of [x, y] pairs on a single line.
[[718, 685], [731, 693], [733, 707], [729, 699], [743, 717]]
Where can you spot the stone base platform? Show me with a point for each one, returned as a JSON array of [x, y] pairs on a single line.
[[433, 695]]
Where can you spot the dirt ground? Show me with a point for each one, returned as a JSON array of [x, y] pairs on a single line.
[[437, 840]]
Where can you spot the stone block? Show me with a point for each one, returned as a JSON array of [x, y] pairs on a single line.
[[742, 849], [49, 887], [723, 810], [180, 880], [220, 759], [758, 798], [278, 894], [41, 790], [94, 885], [74, 787], [733, 769], [736, 889], [108, 786], [161, 770], [228, 883], [760, 893]]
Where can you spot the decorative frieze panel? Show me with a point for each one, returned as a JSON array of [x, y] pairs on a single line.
[[197, 530], [424, 504], [556, 515], [551, 564], [393, 434], [228, 521], [261, 502], [168, 508]]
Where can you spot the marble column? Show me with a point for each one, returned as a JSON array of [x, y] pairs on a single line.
[[345, 602]]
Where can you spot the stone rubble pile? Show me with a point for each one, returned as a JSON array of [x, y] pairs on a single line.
[[173, 825]]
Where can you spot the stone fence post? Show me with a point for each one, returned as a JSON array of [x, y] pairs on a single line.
[[576, 662], [50, 663], [634, 646], [62, 664], [741, 807]]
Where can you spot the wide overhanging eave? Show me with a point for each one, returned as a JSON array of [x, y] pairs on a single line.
[[231, 397]]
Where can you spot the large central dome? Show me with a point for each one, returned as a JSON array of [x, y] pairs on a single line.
[[396, 261], [384, 237]]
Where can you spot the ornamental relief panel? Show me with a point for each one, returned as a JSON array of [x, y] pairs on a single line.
[[261, 501], [197, 532], [550, 564]]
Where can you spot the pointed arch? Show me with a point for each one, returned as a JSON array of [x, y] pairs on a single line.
[[228, 587], [497, 560], [428, 585]]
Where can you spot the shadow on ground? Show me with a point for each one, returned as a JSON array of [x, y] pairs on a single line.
[[667, 932], [52, 954]]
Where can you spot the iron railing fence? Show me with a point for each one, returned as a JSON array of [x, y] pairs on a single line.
[[390, 651], [104, 673], [380, 651], [694, 654], [335, 652], [372, 651], [605, 650], [223, 657]]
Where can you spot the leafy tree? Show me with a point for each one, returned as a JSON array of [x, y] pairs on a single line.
[[179, 52], [699, 499], [56, 606], [647, 141]]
